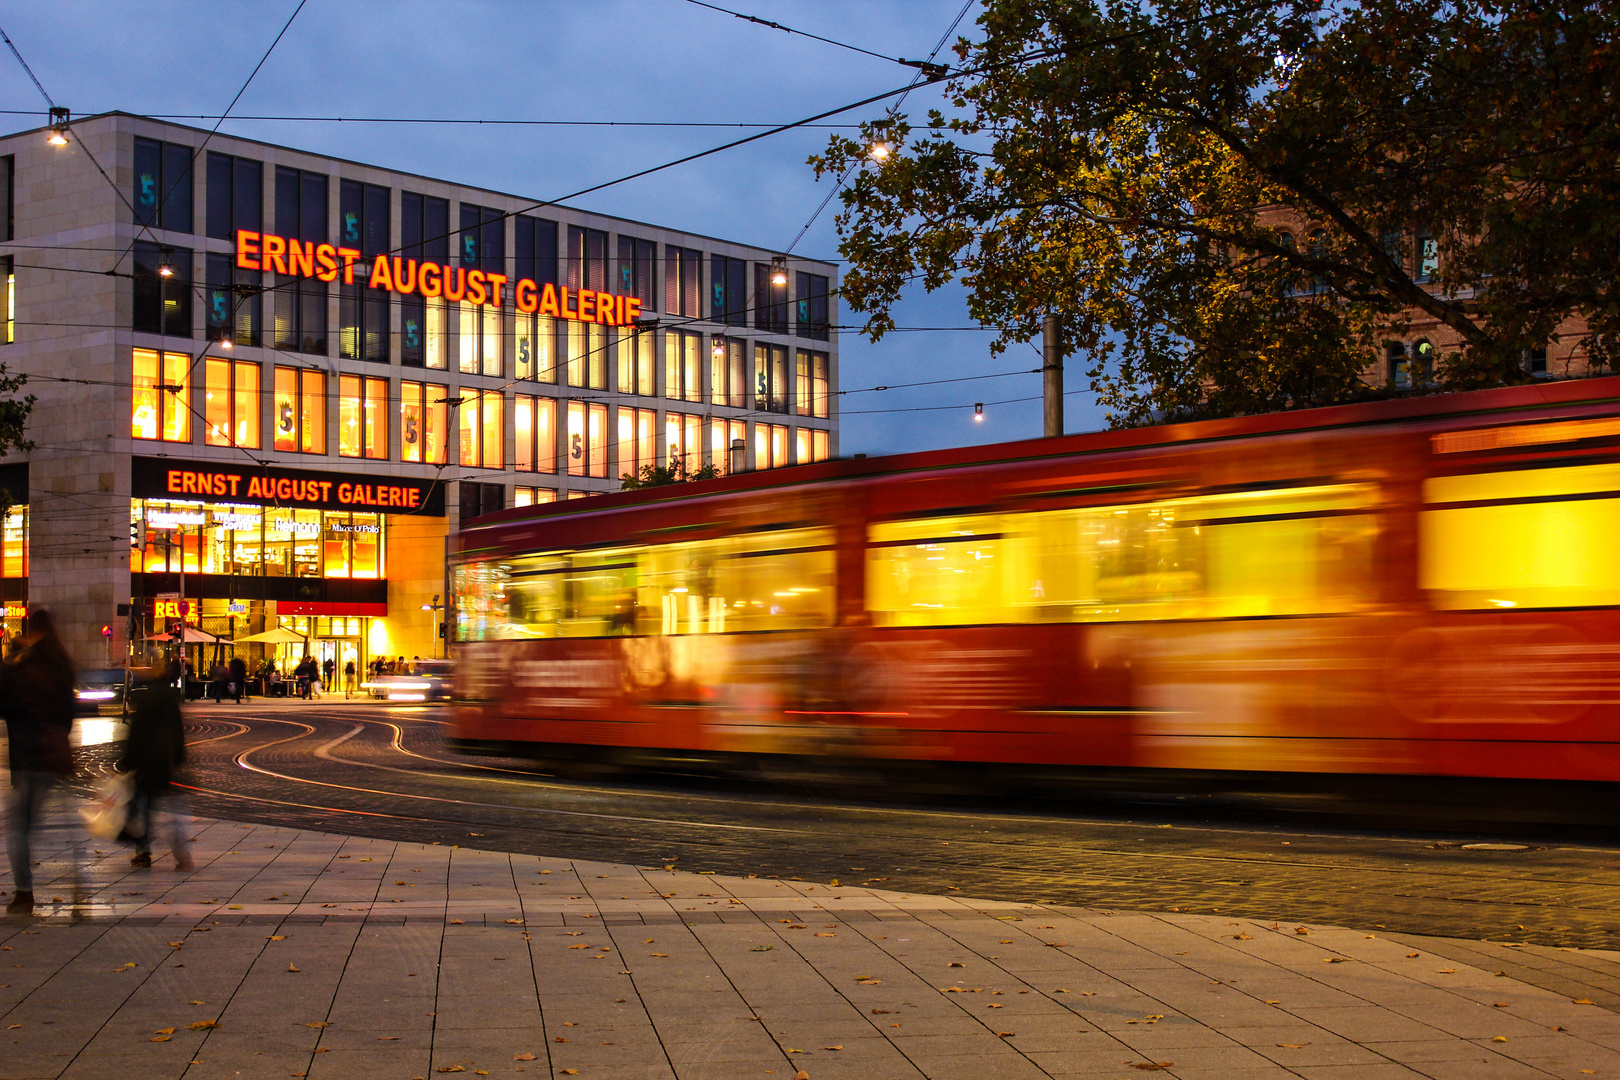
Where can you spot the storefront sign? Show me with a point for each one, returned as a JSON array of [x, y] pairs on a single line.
[[172, 519], [295, 258], [172, 609], [160, 478], [15, 609]]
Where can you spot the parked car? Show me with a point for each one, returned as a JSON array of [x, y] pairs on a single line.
[[430, 681], [100, 690]]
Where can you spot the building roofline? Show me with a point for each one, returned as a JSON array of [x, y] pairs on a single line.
[[116, 113]]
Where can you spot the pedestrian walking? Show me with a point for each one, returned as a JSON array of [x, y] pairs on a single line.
[[216, 682], [348, 679], [305, 674], [37, 695], [328, 674], [239, 677], [153, 754]]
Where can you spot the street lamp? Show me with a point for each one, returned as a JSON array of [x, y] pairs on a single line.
[[436, 606], [59, 126], [165, 265], [779, 270]]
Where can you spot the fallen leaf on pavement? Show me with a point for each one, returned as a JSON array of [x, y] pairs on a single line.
[[290, 967], [1445, 971], [1583, 1001], [1150, 1066], [1242, 937], [158, 1038], [801, 1075], [202, 1025], [953, 963], [1411, 956], [318, 1023], [278, 937], [164, 1031], [1500, 1038], [1335, 960], [522, 1057], [839, 1047]]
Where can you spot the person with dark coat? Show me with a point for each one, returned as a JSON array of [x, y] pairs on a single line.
[[153, 754], [37, 695], [239, 677]]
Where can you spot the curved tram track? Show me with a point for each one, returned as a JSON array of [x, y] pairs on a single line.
[[386, 773]]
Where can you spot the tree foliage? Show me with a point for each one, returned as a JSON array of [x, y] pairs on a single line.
[[676, 472], [1128, 166]]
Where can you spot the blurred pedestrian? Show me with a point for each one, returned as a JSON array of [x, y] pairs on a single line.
[[153, 754], [239, 677], [348, 678], [305, 674], [328, 674], [216, 682], [37, 695]]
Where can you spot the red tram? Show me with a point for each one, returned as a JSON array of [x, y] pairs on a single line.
[[1414, 587]]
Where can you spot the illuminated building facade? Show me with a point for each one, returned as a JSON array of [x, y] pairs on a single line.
[[272, 383]]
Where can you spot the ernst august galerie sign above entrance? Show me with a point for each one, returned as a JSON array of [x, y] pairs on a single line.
[[165, 478]]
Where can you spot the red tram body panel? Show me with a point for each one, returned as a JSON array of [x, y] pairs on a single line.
[[1417, 587]]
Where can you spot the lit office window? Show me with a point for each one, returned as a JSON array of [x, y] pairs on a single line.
[[683, 378], [160, 403], [634, 351], [528, 496], [811, 380], [729, 445], [231, 403], [482, 436], [300, 404], [9, 273], [14, 543], [534, 425], [422, 420], [683, 441], [811, 446], [638, 440], [770, 446], [362, 417], [587, 439]]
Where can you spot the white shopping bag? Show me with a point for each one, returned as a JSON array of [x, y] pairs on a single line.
[[107, 813]]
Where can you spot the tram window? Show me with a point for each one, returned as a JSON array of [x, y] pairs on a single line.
[[761, 581], [1287, 552], [941, 571], [1540, 540]]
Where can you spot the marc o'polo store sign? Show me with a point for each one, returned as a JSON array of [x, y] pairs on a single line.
[[305, 489]]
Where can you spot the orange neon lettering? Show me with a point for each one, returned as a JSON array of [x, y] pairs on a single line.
[[587, 305], [414, 497], [429, 282], [476, 293], [460, 290], [174, 481], [566, 313], [275, 248], [344, 491], [381, 278], [607, 309], [524, 295], [632, 311], [548, 301], [301, 258], [495, 283], [247, 249], [402, 268], [326, 265], [349, 255]]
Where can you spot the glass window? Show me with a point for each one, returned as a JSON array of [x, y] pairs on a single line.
[[234, 301], [466, 338], [638, 260], [528, 496], [683, 285], [1531, 538], [534, 424], [483, 239], [162, 185], [362, 417], [161, 396], [231, 403], [728, 290], [162, 304], [1428, 257], [770, 302], [729, 445], [587, 259], [235, 195], [771, 387], [1290, 551], [366, 535], [820, 445], [9, 275], [490, 345], [770, 446], [638, 441], [422, 418], [812, 318], [727, 381], [300, 406], [536, 254], [363, 224], [482, 435], [683, 377], [811, 383]]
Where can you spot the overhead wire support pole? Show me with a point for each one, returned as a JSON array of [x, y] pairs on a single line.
[[1052, 374]]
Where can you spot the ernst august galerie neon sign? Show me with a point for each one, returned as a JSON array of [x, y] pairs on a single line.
[[324, 262]]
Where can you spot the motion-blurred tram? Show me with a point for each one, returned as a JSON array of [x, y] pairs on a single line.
[[1417, 587]]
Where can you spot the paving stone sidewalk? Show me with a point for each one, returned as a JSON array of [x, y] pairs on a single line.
[[303, 954]]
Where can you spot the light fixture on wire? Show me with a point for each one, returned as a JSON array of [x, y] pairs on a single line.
[[59, 126], [879, 150], [978, 412], [165, 264], [778, 269], [227, 344]]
